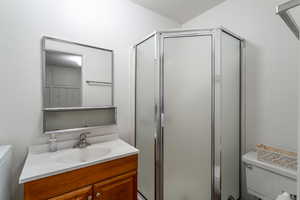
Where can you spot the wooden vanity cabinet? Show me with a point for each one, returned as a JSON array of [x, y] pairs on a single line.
[[112, 180]]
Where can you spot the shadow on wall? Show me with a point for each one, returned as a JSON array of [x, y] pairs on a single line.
[[252, 81], [253, 88]]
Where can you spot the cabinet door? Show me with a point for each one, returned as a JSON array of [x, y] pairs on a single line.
[[80, 194], [123, 187]]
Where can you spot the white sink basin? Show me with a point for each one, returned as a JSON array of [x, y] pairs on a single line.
[[41, 163], [74, 156]]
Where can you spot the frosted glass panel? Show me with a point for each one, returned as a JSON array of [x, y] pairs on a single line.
[[187, 108], [145, 116], [230, 87]]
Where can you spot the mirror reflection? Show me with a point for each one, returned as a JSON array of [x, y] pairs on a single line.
[[63, 80], [77, 75]]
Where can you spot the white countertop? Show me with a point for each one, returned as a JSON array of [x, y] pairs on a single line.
[[251, 158], [44, 164]]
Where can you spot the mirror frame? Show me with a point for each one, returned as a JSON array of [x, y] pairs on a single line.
[[66, 109], [43, 52]]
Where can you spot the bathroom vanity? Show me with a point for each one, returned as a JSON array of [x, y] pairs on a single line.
[[105, 170], [78, 97]]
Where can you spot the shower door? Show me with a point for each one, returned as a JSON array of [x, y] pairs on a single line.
[[145, 124], [187, 112]]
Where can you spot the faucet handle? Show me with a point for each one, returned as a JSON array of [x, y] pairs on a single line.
[[84, 135], [82, 143]]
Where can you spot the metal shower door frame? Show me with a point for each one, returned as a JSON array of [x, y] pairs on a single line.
[[177, 34], [154, 34], [159, 101]]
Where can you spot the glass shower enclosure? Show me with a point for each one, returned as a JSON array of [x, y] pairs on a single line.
[[187, 114]]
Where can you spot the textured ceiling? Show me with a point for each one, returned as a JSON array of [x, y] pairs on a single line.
[[179, 10]]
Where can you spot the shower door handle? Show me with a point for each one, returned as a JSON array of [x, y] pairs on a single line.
[[162, 120], [155, 111], [159, 117]]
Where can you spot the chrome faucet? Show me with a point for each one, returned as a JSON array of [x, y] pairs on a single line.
[[82, 141]]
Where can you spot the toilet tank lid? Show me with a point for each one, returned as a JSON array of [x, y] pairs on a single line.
[[251, 158], [4, 150]]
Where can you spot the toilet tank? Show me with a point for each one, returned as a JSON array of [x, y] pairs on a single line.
[[267, 181], [5, 172]]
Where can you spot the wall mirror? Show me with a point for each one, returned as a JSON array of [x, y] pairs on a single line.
[[77, 86], [76, 75]]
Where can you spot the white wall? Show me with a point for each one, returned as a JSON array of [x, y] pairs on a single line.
[[272, 62], [113, 24]]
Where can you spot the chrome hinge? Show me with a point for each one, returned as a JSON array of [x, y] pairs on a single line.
[[156, 62], [243, 44], [162, 120]]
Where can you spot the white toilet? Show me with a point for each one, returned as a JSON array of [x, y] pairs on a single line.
[[267, 181]]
